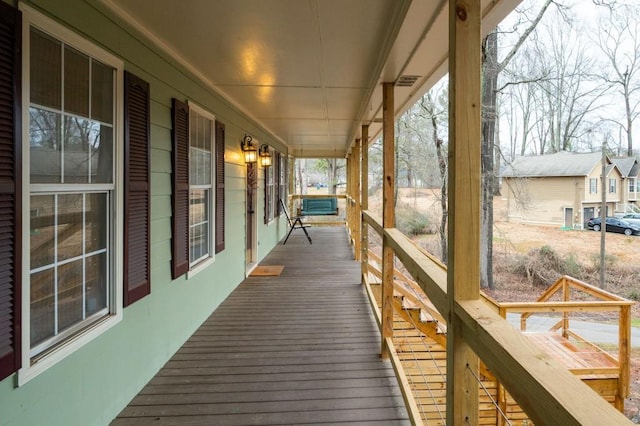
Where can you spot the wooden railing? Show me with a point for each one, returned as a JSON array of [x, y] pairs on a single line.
[[567, 289], [541, 386]]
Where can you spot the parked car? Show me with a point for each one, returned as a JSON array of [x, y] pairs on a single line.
[[632, 218], [615, 225]]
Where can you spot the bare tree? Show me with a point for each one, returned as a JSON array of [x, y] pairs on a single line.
[[433, 109], [491, 68], [618, 38], [570, 93]]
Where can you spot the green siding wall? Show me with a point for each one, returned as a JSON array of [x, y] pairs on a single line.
[[93, 384]]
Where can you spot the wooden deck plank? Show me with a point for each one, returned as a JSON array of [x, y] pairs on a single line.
[[299, 348], [268, 387], [383, 415]]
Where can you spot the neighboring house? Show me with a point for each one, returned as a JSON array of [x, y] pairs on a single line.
[[630, 170], [562, 189]]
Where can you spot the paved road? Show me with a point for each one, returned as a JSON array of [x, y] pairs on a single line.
[[593, 331]]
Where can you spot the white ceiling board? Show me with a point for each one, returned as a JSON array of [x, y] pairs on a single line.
[[308, 71], [237, 42], [280, 102], [420, 20], [344, 103], [352, 39], [295, 128]]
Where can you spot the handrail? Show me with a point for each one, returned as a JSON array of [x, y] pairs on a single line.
[[300, 196], [543, 388], [581, 306]]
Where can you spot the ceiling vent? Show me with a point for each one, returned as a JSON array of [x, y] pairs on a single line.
[[407, 80]]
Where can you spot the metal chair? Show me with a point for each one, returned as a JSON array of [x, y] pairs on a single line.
[[294, 223]]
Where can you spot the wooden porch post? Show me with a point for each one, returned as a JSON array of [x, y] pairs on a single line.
[[463, 278], [352, 197], [292, 183], [347, 199], [364, 200], [357, 213], [388, 211]]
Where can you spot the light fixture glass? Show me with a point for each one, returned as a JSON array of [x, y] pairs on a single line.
[[265, 156]]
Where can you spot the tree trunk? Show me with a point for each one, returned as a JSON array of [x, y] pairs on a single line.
[[497, 157], [629, 116], [333, 175], [301, 176], [489, 95], [442, 166]]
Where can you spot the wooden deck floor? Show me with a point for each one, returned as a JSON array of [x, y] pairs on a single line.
[[301, 348]]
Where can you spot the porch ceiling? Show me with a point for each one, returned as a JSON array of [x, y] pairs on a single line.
[[308, 71]]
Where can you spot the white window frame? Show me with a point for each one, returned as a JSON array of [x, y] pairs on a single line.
[[613, 185], [271, 182], [593, 186], [204, 262], [632, 185], [29, 370]]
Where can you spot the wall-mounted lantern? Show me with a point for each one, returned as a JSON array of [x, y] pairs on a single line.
[[249, 151], [265, 155]]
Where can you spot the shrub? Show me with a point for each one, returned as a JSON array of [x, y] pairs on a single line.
[[572, 267], [542, 266], [634, 295], [412, 222]]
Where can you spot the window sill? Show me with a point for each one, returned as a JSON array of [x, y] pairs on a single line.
[[196, 269], [25, 374]]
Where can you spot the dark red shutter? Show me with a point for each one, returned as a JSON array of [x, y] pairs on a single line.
[[280, 191], [10, 189], [219, 187], [137, 188], [180, 189], [266, 195]]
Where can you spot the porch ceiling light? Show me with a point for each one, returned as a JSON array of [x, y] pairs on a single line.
[[250, 152], [265, 155]]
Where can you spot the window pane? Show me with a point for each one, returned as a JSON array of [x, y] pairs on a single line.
[[69, 226], [96, 222], [199, 227], [101, 146], [42, 306], [69, 294], [206, 131], [101, 92], [46, 70], [96, 283], [200, 150], [44, 141], [77, 133], [199, 241], [76, 82], [42, 235], [199, 211]]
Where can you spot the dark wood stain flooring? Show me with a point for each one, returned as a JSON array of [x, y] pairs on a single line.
[[300, 348]]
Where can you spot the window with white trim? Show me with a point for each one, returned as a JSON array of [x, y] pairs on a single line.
[[632, 185], [593, 186], [201, 169], [70, 154], [270, 186], [612, 186]]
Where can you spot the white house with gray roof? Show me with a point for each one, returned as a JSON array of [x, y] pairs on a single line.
[[561, 189]]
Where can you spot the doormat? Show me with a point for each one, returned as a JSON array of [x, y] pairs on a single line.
[[267, 271]]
